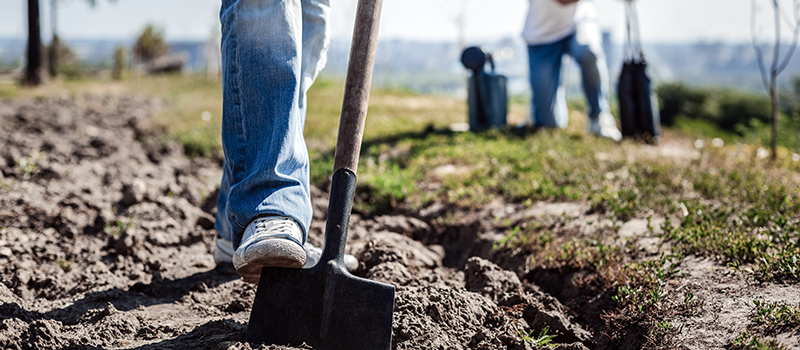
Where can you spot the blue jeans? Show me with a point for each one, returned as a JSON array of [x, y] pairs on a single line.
[[272, 50], [549, 104]]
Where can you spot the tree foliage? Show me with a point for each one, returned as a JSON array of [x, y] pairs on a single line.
[[68, 62], [120, 62], [150, 44]]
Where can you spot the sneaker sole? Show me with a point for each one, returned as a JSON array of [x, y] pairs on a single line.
[[269, 253]]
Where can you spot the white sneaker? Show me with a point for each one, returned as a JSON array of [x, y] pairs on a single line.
[[224, 253], [605, 126], [274, 241]]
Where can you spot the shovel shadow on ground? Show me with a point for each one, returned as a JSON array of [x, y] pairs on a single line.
[[160, 291], [430, 130], [207, 336]]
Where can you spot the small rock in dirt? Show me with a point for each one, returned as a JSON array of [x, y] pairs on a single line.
[[199, 286], [93, 316], [210, 204], [133, 192], [206, 221], [391, 272], [544, 310], [378, 252], [127, 242], [488, 279], [389, 246], [235, 306]]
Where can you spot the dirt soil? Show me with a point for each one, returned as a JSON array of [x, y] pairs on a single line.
[[106, 240]]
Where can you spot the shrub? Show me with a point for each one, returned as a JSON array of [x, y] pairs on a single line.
[[150, 44], [723, 107]]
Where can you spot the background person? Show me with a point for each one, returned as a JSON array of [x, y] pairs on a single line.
[[553, 29]]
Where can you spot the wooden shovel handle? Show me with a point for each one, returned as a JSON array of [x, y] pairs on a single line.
[[357, 85]]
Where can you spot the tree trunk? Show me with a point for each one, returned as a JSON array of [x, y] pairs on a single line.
[[773, 94], [33, 71], [52, 57], [773, 79]]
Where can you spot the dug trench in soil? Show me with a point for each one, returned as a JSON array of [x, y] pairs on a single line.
[[106, 240]]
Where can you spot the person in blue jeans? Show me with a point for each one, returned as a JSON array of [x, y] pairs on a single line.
[[272, 51], [555, 28]]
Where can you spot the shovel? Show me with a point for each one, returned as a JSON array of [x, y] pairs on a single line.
[[325, 306]]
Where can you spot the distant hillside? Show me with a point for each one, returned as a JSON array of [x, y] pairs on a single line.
[[435, 67]]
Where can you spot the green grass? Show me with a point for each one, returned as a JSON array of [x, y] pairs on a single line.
[[538, 340], [776, 316], [8, 90], [703, 129], [65, 265], [768, 320], [729, 192], [750, 341]]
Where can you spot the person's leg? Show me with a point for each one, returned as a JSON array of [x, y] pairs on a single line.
[[587, 50], [316, 38], [266, 161], [547, 107]]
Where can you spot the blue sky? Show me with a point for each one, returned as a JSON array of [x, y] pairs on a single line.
[[428, 20]]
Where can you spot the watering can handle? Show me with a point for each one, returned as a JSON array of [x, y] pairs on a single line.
[[357, 85]]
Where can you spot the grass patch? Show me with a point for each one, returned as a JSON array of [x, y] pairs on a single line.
[[119, 228], [750, 341], [65, 265], [9, 90], [756, 223], [702, 129], [538, 340], [776, 316], [769, 319]]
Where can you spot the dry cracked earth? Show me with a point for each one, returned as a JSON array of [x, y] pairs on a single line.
[[106, 238]]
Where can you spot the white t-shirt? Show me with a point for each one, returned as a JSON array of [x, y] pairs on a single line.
[[549, 20]]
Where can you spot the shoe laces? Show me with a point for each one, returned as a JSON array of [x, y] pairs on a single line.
[[269, 228]]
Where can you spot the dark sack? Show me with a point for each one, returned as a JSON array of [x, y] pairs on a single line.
[[638, 107]]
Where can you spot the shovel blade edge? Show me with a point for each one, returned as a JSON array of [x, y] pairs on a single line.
[[328, 309]]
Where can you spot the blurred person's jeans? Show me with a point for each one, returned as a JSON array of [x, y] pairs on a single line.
[[272, 50], [548, 103]]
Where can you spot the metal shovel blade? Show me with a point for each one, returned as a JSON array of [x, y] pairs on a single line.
[[325, 307]]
